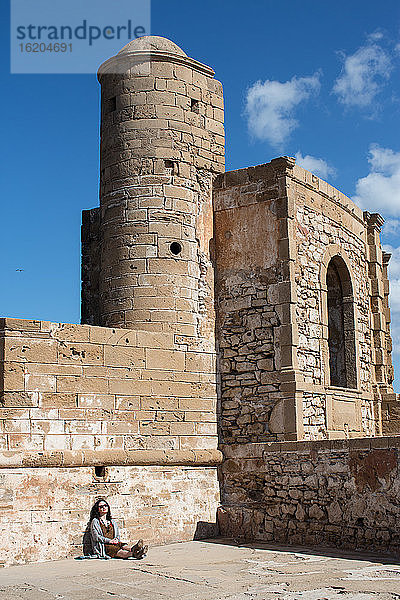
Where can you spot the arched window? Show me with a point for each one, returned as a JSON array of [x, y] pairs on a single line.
[[341, 331]]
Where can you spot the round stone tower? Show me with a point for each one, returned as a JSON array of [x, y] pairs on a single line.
[[146, 251]]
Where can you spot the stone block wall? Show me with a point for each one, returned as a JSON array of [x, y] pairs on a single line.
[[162, 142], [175, 241], [278, 230], [325, 224], [83, 387], [339, 493], [253, 302], [92, 411], [44, 511]]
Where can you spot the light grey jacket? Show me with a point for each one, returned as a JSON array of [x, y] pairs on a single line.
[[97, 538]]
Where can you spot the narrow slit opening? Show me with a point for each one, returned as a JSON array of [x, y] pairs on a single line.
[[194, 105]]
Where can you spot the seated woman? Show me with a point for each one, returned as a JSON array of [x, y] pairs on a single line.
[[104, 535]]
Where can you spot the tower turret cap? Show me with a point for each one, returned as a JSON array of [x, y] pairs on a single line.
[[152, 43], [140, 52]]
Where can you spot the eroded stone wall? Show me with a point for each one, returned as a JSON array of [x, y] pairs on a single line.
[[277, 230], [328, 223], [316, 231], [169, 219], [252, 298], [77, 386], [44, 512], [341, 493]]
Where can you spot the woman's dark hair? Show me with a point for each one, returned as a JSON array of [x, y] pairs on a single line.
[[94, 513]]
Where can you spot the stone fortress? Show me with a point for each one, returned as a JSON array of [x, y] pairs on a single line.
[[234, 355]]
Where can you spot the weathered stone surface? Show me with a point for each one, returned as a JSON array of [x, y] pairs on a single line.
[[159, 504], [212, 569], [276, 308], [331, 495], [169, 171], [122, 383]]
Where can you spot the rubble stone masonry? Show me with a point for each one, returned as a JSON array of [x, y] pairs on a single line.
[[253, 300], [282, 237], [338, 493]]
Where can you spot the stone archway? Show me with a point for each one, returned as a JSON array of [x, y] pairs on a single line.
[[339, 320]]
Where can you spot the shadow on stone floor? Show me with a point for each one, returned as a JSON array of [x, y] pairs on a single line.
[[324, 551], [206, 530]]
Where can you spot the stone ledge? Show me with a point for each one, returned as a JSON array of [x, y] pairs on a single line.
[[120, 63], [91, 458], [316, 184], [248, 175], [257, 450]]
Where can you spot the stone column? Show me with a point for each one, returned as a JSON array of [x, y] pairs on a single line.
[[379, 309], [389, 344], [390, 401], [379, 286]]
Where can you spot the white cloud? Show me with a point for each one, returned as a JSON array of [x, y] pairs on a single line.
[[394, 265], [375, 36], [380, 190], [270, 107], [391, 227], [363, 74], [318, 166]]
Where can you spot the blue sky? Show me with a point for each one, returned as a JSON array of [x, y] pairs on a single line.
[[313, 79]]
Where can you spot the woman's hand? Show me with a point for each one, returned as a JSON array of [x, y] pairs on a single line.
[[114, 541]]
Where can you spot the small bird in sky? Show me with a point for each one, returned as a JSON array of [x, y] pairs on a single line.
[[19, 269]]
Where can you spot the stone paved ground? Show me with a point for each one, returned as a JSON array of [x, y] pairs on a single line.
[[214, 570]]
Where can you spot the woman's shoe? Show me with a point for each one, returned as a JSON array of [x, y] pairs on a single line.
[[142, 553], [137, 547]]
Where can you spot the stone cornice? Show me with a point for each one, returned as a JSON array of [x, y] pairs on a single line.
[[386, 256], [109, 458], [258, 450], [123, 62], [373, 220]]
